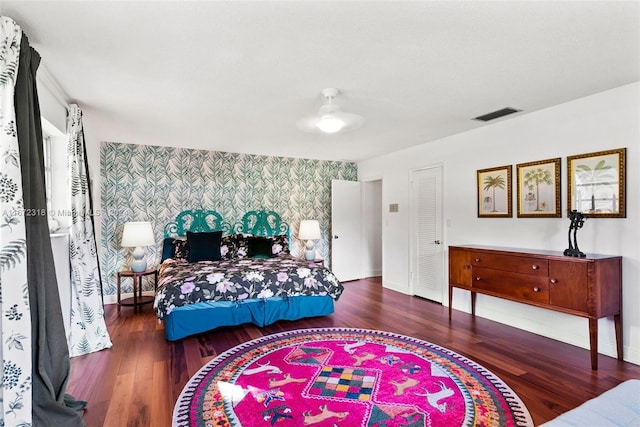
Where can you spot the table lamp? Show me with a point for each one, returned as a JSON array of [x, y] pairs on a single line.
[[309, 231], [137, 234]]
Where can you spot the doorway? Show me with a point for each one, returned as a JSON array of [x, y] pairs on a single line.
[[356, 229], [372, 228]]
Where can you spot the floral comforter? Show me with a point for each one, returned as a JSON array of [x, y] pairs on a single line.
[[181, 283]]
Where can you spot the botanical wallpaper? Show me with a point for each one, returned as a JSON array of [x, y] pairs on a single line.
[[143, 182]]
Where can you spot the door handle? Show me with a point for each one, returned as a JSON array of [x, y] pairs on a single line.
[[437, 242], [335, 237]]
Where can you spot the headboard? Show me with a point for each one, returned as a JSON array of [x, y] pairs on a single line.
[[262, 223], [196, 221]]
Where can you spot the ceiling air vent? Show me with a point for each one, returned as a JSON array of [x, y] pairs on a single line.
[[496, 114]]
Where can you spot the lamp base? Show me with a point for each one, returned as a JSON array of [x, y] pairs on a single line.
[[139, 264], [310, 253]]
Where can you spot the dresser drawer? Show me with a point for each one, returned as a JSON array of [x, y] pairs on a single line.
[[517, 264], [521, 287]]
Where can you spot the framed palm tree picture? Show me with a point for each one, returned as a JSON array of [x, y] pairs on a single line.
[[539, 189], [596, 183], [494, 192]]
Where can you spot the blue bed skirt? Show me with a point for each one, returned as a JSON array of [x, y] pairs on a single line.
[[204, 316]]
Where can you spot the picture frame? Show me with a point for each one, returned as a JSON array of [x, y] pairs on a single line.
[[597, 182], [494, 192], [539, 189]]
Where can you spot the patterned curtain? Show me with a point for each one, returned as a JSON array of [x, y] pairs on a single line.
[[88, 329], [15, 318]]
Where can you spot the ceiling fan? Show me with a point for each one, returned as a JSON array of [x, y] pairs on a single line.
[[330, 118]]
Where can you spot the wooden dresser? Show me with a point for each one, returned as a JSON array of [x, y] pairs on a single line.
[[588, 287]]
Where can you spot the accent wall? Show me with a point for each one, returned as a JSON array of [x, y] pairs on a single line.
[[151, 183]]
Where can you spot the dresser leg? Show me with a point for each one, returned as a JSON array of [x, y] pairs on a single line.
[[473, 303], [593, 342], [617, 322], [450, 298]]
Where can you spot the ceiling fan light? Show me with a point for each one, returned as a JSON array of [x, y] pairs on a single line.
[[330, 119], [330, 124]]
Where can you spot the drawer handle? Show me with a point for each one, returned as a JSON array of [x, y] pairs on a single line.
[[535, 267], [467, 266], [477, 259], [536, 289], [554, 280], [478, 278]]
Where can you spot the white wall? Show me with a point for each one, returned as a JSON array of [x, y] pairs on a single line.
[[51, 98], [603, 121]]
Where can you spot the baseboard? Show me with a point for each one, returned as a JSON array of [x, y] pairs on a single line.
[[373, 273], [403, 289], [546, 323]]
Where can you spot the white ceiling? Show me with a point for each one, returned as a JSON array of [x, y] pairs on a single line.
[[237, 75]]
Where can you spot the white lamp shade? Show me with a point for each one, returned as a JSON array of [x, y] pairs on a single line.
[[137, 233], [309, 230]]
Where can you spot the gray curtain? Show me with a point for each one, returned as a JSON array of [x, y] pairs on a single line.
[[51, 405]]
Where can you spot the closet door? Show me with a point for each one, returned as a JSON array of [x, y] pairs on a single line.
[[426, 234]]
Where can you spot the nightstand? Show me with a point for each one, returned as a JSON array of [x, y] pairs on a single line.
[[138, 299]]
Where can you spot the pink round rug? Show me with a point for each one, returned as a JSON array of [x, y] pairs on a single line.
[[345, 377]]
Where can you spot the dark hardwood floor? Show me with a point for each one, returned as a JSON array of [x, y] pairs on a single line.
[[138, 380]]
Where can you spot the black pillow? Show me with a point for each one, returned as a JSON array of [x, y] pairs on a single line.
[[260, 247], [204, 246]]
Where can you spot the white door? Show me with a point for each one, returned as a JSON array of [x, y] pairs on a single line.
[[426, 234], [346, 230]]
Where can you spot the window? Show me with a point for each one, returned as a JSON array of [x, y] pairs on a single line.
[[56, 174], [47, 169]]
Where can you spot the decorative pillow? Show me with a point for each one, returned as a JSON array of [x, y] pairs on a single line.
[[280, 245], [260, 247], [180, 249], [204, 246], [242, 245], [228, 249], [167, 248]]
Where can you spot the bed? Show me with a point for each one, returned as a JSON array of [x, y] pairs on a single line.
[[216, 274]]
